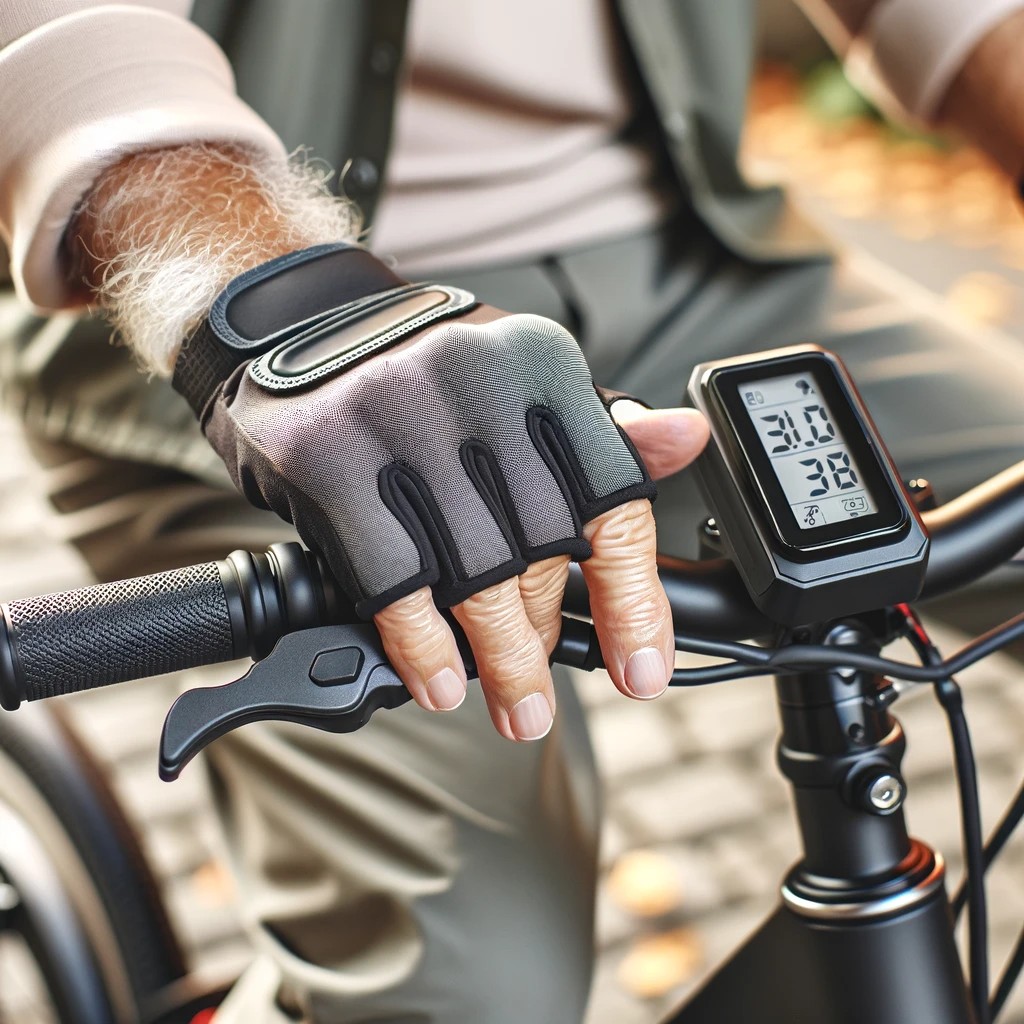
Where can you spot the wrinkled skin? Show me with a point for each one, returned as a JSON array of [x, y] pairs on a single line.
[[512, 627]]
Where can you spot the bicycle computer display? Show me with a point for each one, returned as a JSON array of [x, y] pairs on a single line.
[[805, 496]]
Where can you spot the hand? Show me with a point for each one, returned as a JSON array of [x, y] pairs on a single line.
[[456, 462], [514, 626]]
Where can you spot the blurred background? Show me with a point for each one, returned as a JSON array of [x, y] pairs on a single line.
[[698, 830]]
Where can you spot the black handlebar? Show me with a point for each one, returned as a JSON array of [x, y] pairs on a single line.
[[975, 533], [85, 638], [242, 605], [200, 615]]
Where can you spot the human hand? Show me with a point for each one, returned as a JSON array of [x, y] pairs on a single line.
[[441, 453], [514, 626], [456, 462]]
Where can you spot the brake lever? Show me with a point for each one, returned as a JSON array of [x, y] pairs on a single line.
[[330, 677]]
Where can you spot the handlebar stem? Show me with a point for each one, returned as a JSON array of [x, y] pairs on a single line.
[[841, 751]]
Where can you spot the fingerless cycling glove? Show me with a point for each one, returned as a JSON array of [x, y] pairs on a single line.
[[474, 444]]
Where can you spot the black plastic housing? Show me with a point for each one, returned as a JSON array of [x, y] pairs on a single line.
[[796, 587]]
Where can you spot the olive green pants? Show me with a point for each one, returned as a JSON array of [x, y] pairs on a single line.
[[423, 869]]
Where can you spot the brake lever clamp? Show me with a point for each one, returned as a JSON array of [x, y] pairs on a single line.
[[331, 678]]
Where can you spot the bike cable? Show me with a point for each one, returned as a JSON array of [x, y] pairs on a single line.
[[801, 657], [950, 698], [996, 841], [993, 847], [1009, 977]]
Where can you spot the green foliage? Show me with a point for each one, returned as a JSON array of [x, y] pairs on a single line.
[[830, 96]]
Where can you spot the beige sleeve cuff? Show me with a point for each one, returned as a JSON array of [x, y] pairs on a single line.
[[82, 91], [909, 51]]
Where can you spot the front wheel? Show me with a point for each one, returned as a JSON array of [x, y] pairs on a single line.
[[83, 936]]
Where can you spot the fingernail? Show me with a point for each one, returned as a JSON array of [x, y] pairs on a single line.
[[645, 673], [446, 690], [531, 718]]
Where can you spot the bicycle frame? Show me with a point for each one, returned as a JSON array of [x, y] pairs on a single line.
[[864, 930]]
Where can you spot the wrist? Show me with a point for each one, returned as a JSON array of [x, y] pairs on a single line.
[[163, 232]]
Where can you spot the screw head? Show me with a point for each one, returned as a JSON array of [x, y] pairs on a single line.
[[886, 792]]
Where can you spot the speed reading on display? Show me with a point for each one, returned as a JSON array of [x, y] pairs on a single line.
[[813, 463]]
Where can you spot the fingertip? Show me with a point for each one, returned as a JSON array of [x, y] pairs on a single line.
[[668, 440], [691, 421], [645, 673], [445, 690], [531, 718]]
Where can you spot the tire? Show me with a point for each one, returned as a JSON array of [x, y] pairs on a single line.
[[76, 895]]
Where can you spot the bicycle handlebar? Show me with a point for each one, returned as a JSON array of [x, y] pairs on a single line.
[[184, 618], [241, 606]]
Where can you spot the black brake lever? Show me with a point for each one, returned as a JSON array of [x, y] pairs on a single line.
[[331, 678]]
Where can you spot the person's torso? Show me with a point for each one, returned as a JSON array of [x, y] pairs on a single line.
[[325, 74], [516, 133]]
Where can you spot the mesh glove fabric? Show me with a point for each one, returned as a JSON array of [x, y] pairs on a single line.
[[453, 461]]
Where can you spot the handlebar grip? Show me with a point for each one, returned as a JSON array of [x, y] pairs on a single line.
[[239, 607], [93, 636]]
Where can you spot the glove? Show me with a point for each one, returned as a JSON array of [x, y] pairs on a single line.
[[413, 436]]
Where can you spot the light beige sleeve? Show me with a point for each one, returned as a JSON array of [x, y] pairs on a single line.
[[81, 85], [906, 53]]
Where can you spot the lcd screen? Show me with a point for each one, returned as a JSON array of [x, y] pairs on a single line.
[[807, 451]]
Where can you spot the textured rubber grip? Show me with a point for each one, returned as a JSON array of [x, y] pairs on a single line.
[[93, 636]]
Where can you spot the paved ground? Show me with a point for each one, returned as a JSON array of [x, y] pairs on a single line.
[[698, 829]]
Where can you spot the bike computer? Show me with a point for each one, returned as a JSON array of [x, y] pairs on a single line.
[[806, 497]]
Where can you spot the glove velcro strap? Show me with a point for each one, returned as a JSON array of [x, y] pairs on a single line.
[[270, 304], [357, 331]]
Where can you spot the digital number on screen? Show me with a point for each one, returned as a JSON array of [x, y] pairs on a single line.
[[811, 459]]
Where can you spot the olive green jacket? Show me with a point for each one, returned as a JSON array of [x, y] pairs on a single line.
[[324, 74]]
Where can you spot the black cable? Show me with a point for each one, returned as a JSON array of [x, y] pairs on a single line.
[[748, 654], [810, 656], [996, 841], [950, 697], [1009, 977], [717, 674], [820, 656], [986, 644]]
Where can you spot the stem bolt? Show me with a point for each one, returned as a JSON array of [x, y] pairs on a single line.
[[884, 793]]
